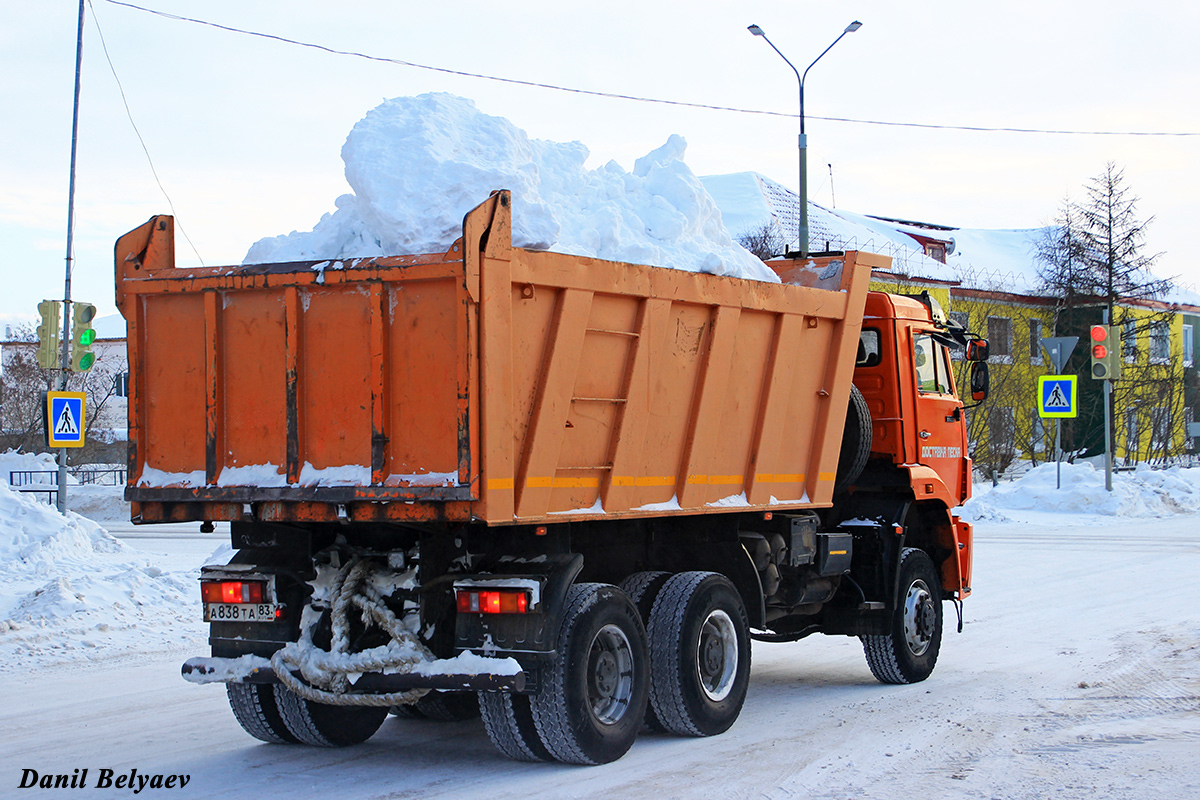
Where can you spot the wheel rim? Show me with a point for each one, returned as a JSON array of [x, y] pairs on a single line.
[[920, 618], [717, 655], [610, 675]]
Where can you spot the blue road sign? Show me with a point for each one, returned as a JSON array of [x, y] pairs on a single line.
[[64, 419], [1057, 396]]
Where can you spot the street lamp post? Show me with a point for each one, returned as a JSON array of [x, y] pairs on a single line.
[[803, 140]]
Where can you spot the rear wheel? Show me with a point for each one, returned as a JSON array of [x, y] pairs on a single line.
[[593, 698], [699, 654], [908, 653], [322, 725], [254, 707], [448, 706], [508, 719], [643, 589]]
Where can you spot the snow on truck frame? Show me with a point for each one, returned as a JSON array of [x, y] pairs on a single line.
[[561, 492]]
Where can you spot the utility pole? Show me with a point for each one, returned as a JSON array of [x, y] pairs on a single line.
[[65, 344]]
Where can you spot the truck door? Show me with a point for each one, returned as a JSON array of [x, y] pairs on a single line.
[[939, 429]]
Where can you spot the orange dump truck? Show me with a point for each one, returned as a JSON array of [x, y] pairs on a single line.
[[561, 492]]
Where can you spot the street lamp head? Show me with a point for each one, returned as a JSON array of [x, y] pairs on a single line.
[[853, 26], [757, 31]]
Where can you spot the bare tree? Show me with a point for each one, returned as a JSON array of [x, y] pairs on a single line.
[[1094, 258], [22, 387], [1095, 251], [1003, 428], [765, 241]]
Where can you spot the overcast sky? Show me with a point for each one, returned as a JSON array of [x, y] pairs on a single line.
[[245, 133]]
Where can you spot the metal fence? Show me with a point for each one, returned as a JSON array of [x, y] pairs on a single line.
[[44, 482]]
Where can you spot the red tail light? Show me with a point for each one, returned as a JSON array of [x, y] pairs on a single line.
[[232, 591], [501, 601]]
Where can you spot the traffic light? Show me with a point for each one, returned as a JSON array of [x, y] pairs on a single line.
[[82, 336], [1106, 352], [49, 334]]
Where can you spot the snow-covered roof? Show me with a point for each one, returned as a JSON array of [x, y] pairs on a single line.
[[980, 258]]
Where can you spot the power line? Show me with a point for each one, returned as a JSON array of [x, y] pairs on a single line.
[[146, 150], [616, 96]]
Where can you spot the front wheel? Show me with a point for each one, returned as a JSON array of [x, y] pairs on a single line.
[[593, 699], [908, 653]]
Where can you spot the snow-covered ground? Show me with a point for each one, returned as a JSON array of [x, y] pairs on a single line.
[[1077, 675]]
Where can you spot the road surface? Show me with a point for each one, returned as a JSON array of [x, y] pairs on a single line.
[[1077, 675]]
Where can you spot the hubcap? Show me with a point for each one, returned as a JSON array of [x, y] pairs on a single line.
[[920, 618], [717, 655], [610, 675]]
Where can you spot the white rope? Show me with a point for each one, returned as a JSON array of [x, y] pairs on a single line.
[[326, 673]]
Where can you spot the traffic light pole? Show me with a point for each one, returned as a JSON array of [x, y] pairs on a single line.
[[1108, 437], [65, 345]]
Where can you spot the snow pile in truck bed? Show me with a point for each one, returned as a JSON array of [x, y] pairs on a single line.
[[417, 165], [67, 587]]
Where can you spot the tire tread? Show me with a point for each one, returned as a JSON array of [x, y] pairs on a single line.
[[327, 726], [668, 682], [508, 720], [254, 708], [883, 650]]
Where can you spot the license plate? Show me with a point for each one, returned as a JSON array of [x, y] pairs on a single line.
[[239, 612]]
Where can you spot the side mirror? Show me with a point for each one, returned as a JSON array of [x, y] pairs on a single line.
[[977, 350], [979, 378]]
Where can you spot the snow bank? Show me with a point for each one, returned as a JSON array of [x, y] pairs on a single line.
[[67, 586], [1143, 493], [12, 461], [417, 165]]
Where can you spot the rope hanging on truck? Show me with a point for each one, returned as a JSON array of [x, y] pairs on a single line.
[[327, 673]]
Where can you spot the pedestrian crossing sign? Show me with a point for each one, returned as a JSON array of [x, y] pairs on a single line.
[[64, 419], [1058, 396]]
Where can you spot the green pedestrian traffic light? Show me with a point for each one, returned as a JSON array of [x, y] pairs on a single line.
[[82, 337]]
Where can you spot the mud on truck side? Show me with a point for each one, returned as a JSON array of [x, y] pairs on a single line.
[[563, 492]]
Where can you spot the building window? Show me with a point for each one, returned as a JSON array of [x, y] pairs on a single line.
[[936, 251], [121, 385], [964, 320], [1037, 436], [1001, 428], [1188, 342], [1131, 435], [1189, 419], [1035, 341], [1160, 343], [1160, 426], [1000, 339], [1129, 342]]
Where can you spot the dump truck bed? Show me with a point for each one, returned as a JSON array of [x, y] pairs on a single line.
[[489, 382]]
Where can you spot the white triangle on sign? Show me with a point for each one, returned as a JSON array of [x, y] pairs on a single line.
[[1057, 399], [66, 425]]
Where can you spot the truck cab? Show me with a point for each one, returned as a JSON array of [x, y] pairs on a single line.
[[905, 374], [907, 379]]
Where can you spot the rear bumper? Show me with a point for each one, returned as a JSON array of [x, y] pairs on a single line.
[[256, 669]]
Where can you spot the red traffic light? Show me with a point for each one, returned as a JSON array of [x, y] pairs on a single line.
[[1099, 334]]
